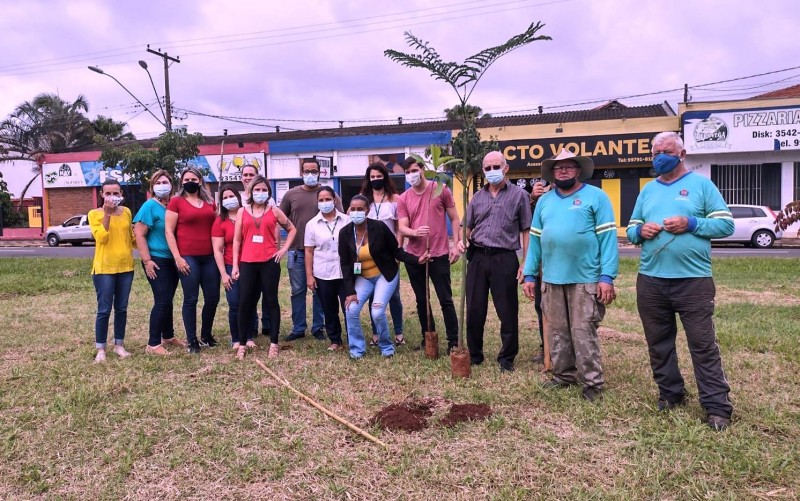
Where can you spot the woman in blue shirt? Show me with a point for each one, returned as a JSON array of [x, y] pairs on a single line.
[[158, 263]]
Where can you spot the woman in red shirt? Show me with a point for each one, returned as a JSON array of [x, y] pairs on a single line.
[[256, 259], [190, 216], [222, 240]]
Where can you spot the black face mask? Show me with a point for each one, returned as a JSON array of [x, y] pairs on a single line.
[[566, 184], [377, 184], [191, 187]]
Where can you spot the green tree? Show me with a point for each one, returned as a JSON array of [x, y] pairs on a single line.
[[10, 217], [463, 78], [457, 112], [107, 130], [171, 152], [47, 124]]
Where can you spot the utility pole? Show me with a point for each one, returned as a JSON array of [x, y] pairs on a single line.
[[167, 58]]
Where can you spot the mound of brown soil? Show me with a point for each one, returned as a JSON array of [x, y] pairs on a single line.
[[411, 415], [460, 413]]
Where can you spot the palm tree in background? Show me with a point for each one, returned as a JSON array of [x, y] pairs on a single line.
[[47, 124], [108, 130]]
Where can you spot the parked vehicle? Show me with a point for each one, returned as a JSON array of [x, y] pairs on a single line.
[[74, 230], [754, 225]]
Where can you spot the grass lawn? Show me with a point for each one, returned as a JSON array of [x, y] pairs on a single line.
[[210, 427]]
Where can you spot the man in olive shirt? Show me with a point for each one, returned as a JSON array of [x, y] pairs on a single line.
[[300, 206], [498, 218]]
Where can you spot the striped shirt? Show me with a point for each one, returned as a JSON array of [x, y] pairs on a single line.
[[497, 221], [574, 238]]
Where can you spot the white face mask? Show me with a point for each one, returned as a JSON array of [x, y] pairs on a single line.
[[116, 200], [162, 190], [230, 203], [260, 197], [413, 178]]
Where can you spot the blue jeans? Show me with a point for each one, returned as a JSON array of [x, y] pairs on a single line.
[[163, 287], [396, 309], [297, 279], [203, 275], [232, 296], [382, 290], [112, 290]]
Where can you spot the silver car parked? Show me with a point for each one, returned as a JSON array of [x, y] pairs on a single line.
[[754, 225], [74, 230]]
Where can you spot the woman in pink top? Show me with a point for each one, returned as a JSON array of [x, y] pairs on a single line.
[[256, 259]]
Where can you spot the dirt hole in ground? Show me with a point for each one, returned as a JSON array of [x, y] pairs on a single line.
[[411, 415], [460, 413]]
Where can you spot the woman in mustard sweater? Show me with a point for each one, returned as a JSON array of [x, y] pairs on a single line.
[[112, 269]]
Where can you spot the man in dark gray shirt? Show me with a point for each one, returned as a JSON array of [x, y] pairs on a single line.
[[300, 205], [498, 218]]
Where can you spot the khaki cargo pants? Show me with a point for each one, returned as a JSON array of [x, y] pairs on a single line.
[[572, 314]]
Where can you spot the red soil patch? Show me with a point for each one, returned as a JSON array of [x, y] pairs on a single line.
[[411, 415], [460, 413]]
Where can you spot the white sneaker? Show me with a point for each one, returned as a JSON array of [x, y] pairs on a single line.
[[121, 352], [100, 357]]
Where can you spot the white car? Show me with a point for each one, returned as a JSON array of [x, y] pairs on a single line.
[[754, 225], [74, 230]]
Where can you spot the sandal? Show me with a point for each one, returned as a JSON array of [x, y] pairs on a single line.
[[374, 341], [251, 345], [241, 352], [274, 349], [173, 341], [399, 340], [156, 350]]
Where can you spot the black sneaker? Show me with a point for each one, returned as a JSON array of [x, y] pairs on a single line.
[[592, 393], [666, 405], [319, 335], [507, 367], [295, 336], [717, 423], [208, 341], [554, 383], [194, 347]]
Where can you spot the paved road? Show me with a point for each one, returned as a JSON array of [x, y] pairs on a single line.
[[88, 251]]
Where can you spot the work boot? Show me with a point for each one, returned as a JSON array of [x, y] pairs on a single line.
[[592, 393], [717, 423]]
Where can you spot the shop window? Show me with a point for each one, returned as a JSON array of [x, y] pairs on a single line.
[[751, 184]]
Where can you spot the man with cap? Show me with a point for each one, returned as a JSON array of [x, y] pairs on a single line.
[[498, 218], [574, 239], [674, 220]]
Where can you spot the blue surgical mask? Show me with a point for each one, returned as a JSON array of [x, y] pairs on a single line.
[[494, 176], [310, 180], [325, 207], [260, 197], [664, 164], [162, 190], [231, 203], [358, 217]]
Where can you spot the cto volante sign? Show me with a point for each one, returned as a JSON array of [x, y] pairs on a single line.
[[607, 150], [728, 131]]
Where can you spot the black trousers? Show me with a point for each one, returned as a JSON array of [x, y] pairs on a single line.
[[496, 274], [658, 300], [256, 279], [331, 295], [439, 271]]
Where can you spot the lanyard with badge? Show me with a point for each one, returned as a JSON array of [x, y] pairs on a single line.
[[378, 207], [258, 238], [357, 265], [333, 230]]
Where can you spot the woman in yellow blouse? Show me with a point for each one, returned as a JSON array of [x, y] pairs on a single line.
[[112, 269]]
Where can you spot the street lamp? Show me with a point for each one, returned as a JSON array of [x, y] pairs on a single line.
[[143, 64], [98, 70]]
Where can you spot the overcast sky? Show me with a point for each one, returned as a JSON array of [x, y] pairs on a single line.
[[323, 60]]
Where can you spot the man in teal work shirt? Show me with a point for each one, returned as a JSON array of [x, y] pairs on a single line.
[[674, 220], [574, 238]]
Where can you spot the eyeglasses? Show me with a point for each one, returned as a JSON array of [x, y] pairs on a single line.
[[565, 168], [492, 167], [310, 172]]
